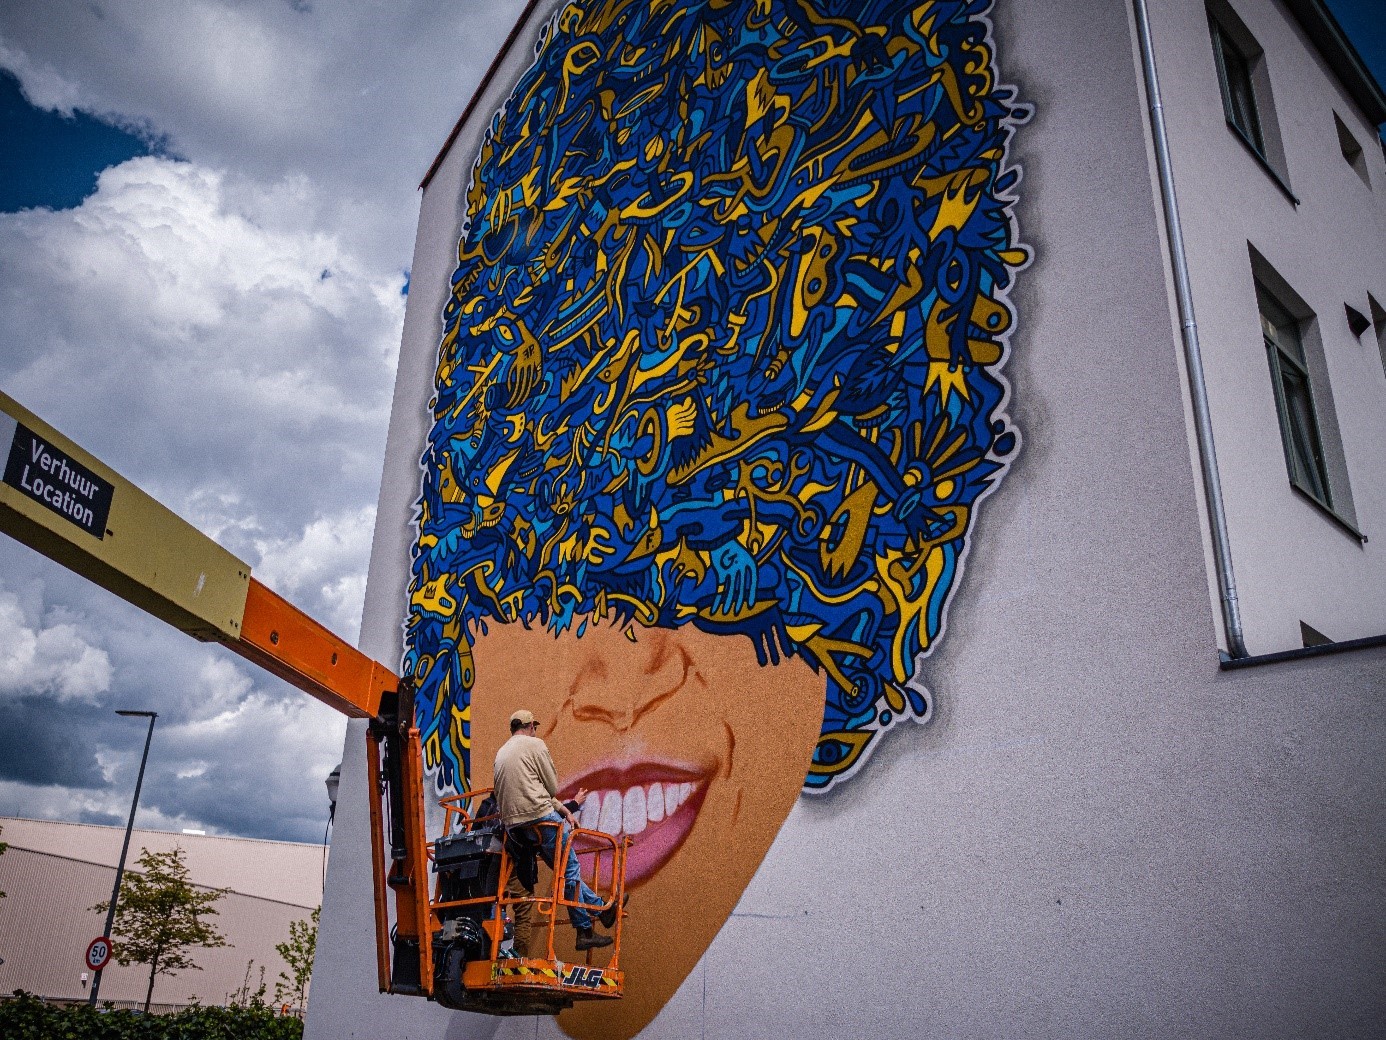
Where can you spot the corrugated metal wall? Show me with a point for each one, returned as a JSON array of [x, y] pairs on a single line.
[[46, 923]]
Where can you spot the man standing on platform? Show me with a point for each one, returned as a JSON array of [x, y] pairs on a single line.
[[526, 791]]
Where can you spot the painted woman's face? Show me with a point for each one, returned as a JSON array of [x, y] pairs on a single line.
[[687, 745]]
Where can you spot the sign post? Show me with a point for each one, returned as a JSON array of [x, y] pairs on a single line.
[[125, 848]]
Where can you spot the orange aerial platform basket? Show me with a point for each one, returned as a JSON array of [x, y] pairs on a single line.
[[479, 905]]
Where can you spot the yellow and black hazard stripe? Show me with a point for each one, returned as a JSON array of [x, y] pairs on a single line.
[[522, 969], [571, 978]]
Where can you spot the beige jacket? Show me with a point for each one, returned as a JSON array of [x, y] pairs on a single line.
[[525, 780]]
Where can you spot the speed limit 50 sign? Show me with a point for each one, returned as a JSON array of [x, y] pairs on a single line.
[[98, 953]]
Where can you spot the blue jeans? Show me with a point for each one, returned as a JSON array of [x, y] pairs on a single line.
[[572, 873]]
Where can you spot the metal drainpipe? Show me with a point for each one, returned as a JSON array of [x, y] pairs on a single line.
[[1203, 425]]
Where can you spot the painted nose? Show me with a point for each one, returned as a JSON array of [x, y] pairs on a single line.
[[621, 682]]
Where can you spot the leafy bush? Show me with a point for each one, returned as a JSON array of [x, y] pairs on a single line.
[[25, 1017]]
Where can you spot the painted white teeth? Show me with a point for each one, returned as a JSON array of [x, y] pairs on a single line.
[[632, 810], [675, 795], [591, 809], [610, 818], [633, 813]]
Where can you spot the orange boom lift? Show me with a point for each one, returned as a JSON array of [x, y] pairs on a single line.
[[450, 912]]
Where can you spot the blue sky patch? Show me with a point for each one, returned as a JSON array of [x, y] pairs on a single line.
[[53, 160]]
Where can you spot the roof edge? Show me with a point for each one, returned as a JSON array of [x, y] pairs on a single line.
[[520, 23], [1313, 16], [314, 845], [1343, 60]]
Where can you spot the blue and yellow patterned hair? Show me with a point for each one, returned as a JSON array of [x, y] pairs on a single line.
[[722, 347]]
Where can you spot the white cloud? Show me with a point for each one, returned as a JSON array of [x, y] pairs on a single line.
[[255, 766], [323, 570], [212, 351], [50, 659], [218, 685], [57, 802], [221, 329], [234, 750], [357, 96], [43, 86]]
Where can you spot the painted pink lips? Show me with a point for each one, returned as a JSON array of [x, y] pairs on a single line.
[[654, 804]]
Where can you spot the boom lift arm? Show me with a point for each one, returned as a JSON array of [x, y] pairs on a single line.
[[66, 504]]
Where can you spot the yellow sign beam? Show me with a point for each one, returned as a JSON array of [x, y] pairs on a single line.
[[65, 503], [74, 509]]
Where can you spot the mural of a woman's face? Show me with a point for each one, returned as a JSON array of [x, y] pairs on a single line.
[[686, 745], [717, 398]]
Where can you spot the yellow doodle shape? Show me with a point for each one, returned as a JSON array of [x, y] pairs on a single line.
[[433, 598], [840, 542]]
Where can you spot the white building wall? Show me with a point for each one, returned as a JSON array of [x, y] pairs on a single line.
[[1293, 562], [1100, 833]]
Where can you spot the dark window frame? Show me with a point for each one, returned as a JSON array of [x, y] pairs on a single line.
[[1234, 78], [1284, 343], [1302, 391], [1295, 404], [1245, 88]]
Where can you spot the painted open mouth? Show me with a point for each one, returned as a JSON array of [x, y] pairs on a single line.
[[654, 804]]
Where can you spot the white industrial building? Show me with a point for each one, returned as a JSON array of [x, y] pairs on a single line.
[[1151, 801], [53, 873]]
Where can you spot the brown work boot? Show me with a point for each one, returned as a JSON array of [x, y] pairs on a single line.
[[590, 940]]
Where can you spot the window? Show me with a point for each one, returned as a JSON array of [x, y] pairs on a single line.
[[1301, 389], [1294, 399], [1352, 151], [1246, 91], [1238, 94]]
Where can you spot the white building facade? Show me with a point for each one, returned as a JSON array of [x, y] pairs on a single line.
[[1280, 198], [1116, 821]]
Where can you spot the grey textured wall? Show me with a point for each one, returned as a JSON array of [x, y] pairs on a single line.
[[1100, 834]]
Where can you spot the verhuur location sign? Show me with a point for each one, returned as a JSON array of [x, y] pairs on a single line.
[[63, 501], [51, 477]]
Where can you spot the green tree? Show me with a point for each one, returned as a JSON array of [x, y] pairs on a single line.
[[160, 916], [298, 952]]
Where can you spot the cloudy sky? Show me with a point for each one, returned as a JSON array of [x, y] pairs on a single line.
[[217, 317]]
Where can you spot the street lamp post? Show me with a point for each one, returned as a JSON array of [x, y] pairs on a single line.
[[129, 826], [333, 781]]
